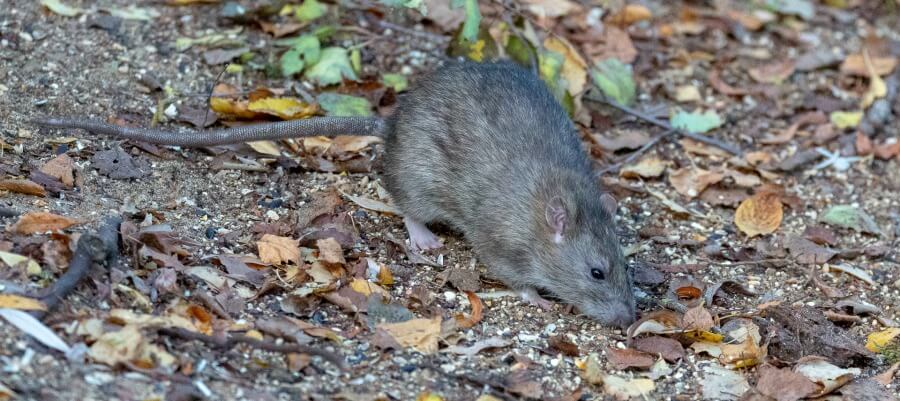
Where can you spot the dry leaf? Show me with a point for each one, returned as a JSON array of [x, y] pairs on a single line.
[[61, 167], [759, 214], [478, 346], [877, 341], [286, 108], [574, 69], [26, 187], [630, 14], [466, 322], [419, 334], [265, 147], [647, 167], [691, 181], [772, 73], [826, 375], [117, 347], [699, 148], [615, 43], [372, 204], [330, 252], [669, 349], [551, 8], [855, 64], [624, 389], [40, 222], [622, 359], [278, 250], [783, 384], [12, 301], [627, 140], [687, 93]]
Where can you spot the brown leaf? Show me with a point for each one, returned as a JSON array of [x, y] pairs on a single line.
[[772, 73], [863, 144], [629, 358], [759, 214], [419, 334], [715, 80], [614, 43], [855, 64], [887, 150], [820, 235], [525, 383], [630, 14], [26, 187], [61, 167], [278, 250], [39, 222], [280, 29], [812, 117], [724, 197], [886, 377], [699, 148], [806, 251], [783, 384], [466, 322], [670, 349], [691, 181], [647, 167], [698, 318], [627, 140], [330, 252], [563, 345]]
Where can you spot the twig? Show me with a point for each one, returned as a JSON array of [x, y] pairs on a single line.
[[655, 121], [231, 341], [614, 168]]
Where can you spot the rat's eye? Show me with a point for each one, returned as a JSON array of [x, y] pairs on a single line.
[[597, 274]]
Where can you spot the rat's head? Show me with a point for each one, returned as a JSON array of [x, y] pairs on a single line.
[[582, 255]]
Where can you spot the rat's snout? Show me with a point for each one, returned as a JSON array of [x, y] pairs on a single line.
[[622, 315]]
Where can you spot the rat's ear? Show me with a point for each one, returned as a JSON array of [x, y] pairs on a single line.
[[557, 218], [609, 204]]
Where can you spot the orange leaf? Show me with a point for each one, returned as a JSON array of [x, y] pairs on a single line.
[[466, 322], [759, 214], [38, 222], [12, 301], [26, 187]]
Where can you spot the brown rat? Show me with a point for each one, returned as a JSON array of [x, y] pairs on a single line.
[[487, 149]]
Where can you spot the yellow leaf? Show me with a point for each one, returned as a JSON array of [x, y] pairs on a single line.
[[367, 288], [630, 14], [254, 334], [759, 214], [877, 87], [846, 119], [119, 346], [880, 339], [648, 167], [278, 250], [287, 108], [231, 107], [574, 68], [32, 268], [476, 50], [419, 334], [687, 93], [429, 396], [21, 303]]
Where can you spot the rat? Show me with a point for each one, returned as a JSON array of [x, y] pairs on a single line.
[[488, 150]]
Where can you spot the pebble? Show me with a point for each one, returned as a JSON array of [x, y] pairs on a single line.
[[449, 296], [272, 215]]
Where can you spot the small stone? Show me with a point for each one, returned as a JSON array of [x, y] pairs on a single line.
[[272, 215]]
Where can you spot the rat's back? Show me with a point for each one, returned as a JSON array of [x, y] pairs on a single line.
[[468, 133]]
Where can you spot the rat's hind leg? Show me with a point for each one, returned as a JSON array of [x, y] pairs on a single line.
[[420, 237]]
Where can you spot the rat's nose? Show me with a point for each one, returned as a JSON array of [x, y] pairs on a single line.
[[623, 316]]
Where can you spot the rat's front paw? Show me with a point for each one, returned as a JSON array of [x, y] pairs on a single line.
[[532, 297], [420, 237]]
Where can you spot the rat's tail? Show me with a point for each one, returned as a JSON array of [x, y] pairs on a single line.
[[316, 126]]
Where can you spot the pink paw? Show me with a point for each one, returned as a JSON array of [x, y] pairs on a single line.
[[532, 297], [420, 237]]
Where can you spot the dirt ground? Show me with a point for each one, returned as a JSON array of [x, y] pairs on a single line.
[[57, 66]]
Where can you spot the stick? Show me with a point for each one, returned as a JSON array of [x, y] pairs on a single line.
[[90, 249], [655, 121], [231, 341], [614, 168]]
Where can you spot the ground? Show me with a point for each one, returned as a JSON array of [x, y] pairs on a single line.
[[105, 68]]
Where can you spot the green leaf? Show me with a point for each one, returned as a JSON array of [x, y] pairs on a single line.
[[472, 21], [846, 119], [847, 216], [696, 122], [305, 50], [520, 51], [801, 8], [396, 81], [59, 8], [550, 67], [339, 105], [457, 3], [310, 10], [332, 67], [356, 60], [133, 12], [615, 80]]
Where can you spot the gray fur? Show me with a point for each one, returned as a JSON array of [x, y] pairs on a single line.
[[485, 147]]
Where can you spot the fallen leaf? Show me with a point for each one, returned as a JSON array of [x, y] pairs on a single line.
[[340, 105], [623, 389], [223, 56], [550, 8], [847, 216], [574, 69], [466, 322], [697, 318], [62, 9], [820, 235], [801, 8], [691, 181], [40, 222], [30, 325], [877, 87], [591, 370], [31, 267], [687, 93], [806, 251], [846, 119], [626, 140], [62, 168], [693, 146], [669, 349], [783, 384], [563, 345], [622, 359], [330, 252], [772, 73], [278, 250], [724, 197], [286, 108], [419, 334], [885, 378], [372, 204], [26, 187], [722, 384], [12, 301], [478, 346], [827, 376], [630, 14], [855, 64], [657, 322], [696, 122], [333, 67], [648, 167], [615, 80], [759, 214], [117, 164]]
